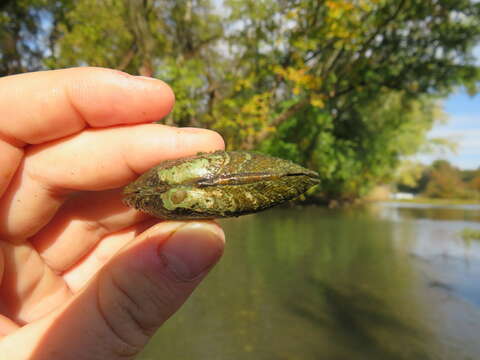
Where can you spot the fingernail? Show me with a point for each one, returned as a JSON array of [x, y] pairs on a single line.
[[151, 82], [145, 78], [192, 130], [192, 249]]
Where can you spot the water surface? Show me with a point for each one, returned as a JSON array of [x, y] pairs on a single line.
[[389, 281]]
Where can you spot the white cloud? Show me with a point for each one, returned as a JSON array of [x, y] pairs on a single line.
[[464, 130], [459, 122]]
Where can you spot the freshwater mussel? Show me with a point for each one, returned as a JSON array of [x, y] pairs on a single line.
[[218, 184]]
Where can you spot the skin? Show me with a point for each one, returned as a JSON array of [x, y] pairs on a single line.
[[82, 276]]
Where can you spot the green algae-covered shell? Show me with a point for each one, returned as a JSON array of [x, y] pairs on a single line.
[[219, 184]]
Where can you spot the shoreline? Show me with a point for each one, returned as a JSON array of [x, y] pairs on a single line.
[[422, 200]]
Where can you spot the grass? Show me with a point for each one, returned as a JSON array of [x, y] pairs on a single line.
[[468, 235]]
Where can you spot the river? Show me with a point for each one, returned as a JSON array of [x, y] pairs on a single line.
[[383, 282]]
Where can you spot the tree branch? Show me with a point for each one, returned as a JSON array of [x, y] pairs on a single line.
[[127, 59], [137, 16], [292, 110]]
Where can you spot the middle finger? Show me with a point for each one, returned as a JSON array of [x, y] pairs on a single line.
[[82, 222], [91, 161]]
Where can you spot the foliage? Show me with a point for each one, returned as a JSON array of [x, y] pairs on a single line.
[[25, 35], [444, 182], [351, 160], [408, 176], [441, 180], [475, 182], [469, 235], [345, 87]]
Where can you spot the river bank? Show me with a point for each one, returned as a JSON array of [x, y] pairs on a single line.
[[442, 202]]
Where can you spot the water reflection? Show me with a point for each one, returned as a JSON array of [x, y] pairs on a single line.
[[369, 283], [434, 212], [361, 322]]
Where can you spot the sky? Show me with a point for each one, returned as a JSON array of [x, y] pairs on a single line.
[[463, 127]]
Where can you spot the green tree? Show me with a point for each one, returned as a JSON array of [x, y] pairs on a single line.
[[25, 37], [172, 40], [346, 87], [352, 161], [336, 68], [408, 176]]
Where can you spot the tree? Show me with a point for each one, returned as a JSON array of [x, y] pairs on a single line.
[[173, 40], [346, 87], [472, 177], [444, 181], [334, 68], [408, 177], [367, 153], [475, 183], [336, 54], [28, 33]]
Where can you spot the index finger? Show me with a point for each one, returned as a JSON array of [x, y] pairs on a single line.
[[44, 106]]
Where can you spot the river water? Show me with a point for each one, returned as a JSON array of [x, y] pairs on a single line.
[[387, 281]]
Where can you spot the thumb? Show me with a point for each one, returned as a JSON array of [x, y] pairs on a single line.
[[151, 279], [133, 294]]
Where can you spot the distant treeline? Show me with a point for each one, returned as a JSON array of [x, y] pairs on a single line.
[[344, 87], [440, 180]]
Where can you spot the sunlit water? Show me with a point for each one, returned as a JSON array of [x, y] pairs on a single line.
[[384, 282]]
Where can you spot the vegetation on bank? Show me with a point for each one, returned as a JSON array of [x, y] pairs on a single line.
[[440, 181], [442, 202], [344, 87], [469, 235]]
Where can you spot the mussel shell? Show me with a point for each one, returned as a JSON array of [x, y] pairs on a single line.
[[219, 184]]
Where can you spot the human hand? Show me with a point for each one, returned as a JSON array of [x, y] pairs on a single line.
[[81, 275]]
